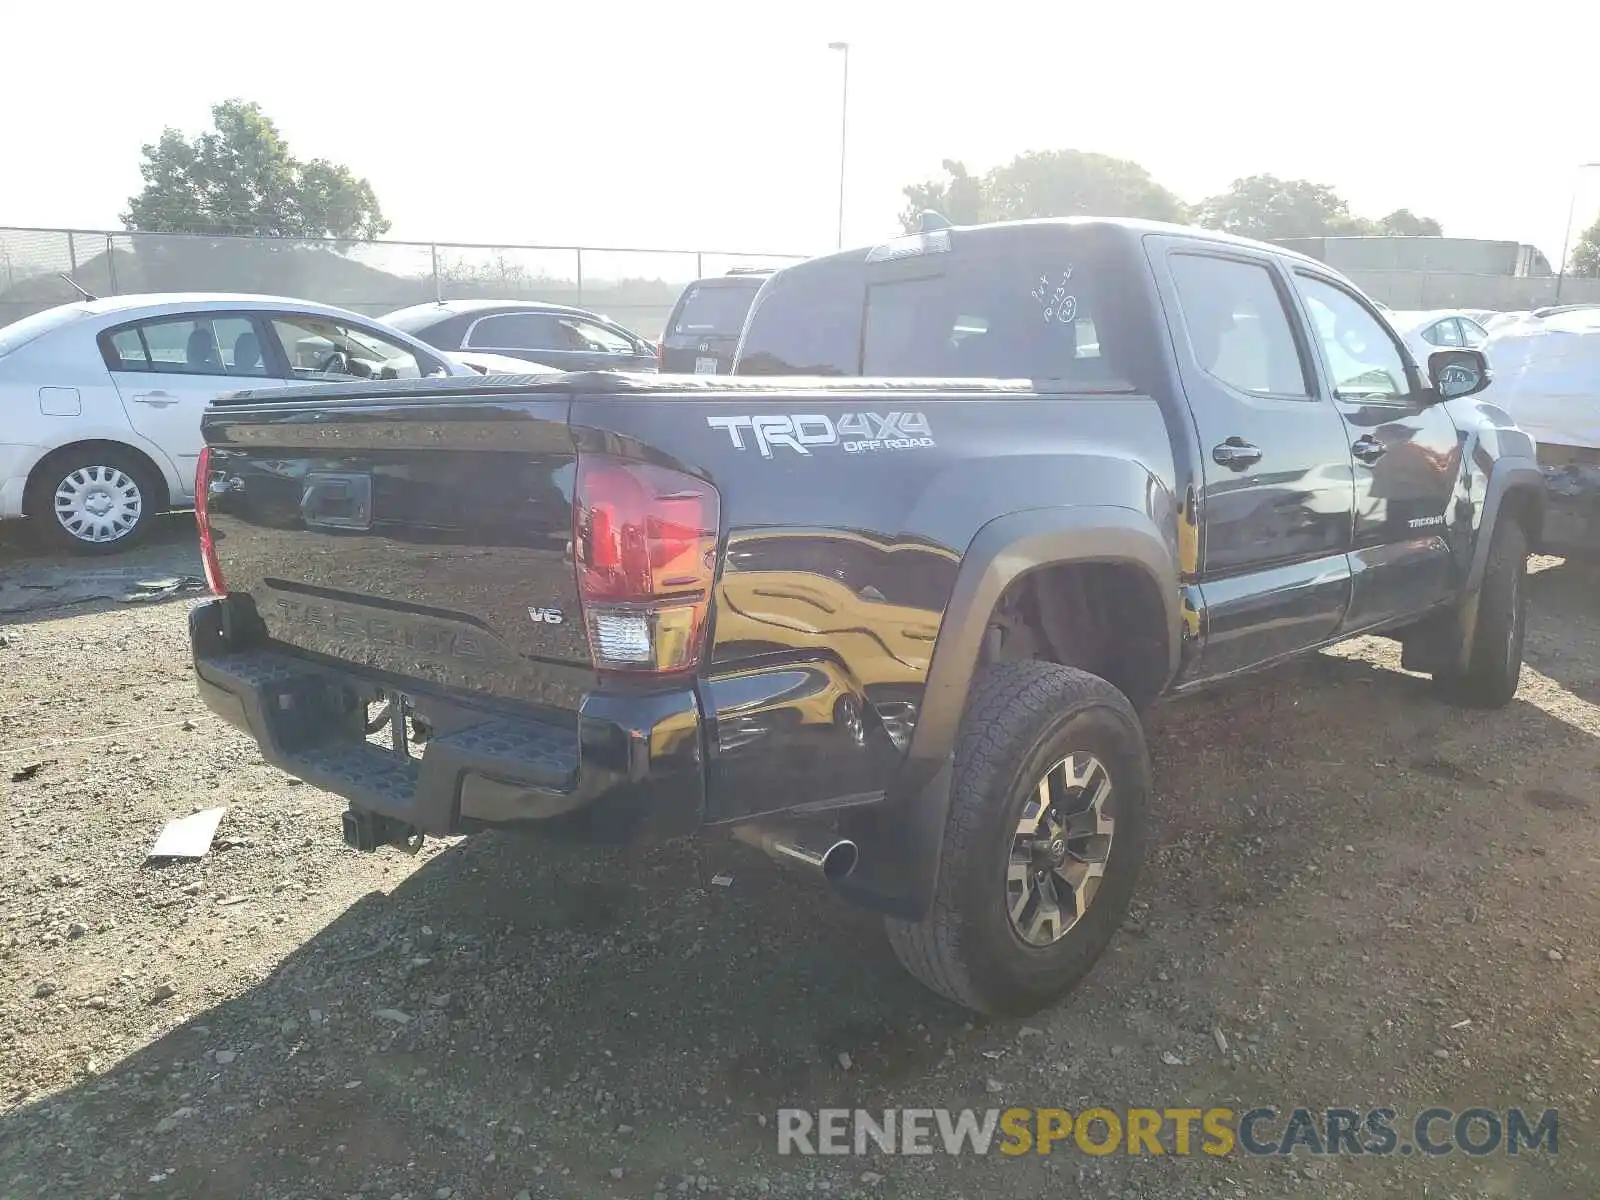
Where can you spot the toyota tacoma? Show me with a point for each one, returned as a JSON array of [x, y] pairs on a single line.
[[889, 600]]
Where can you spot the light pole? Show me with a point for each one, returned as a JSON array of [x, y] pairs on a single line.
[[844, 127], [1566, 233]]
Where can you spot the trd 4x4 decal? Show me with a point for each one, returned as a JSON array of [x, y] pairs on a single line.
[[858, 433]]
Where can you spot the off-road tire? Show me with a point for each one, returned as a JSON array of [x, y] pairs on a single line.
[[1494, 664], [1021, 718]]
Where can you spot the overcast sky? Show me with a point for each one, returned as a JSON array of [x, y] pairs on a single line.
[[703, 124]]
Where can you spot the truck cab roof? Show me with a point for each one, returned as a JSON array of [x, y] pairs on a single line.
[[966, 300], [1131, 229]]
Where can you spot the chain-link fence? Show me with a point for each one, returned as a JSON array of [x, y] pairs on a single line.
[[634, 287]]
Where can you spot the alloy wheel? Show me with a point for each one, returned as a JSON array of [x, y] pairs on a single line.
[[1059, 849]]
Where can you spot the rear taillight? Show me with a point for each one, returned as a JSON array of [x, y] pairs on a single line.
[[202, 517], [645, 544]]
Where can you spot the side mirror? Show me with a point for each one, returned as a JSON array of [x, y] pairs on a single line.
[[1457, 373]]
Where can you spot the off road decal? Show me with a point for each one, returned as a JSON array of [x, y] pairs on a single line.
[[857, 433]]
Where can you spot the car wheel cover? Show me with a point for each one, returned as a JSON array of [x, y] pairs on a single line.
[[1059, 850], [98, 503]]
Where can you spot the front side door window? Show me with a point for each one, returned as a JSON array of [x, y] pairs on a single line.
[[591, 338], [322, 348], [518, 331], [1363, 361]]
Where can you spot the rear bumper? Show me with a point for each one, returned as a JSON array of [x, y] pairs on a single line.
[[630, 766]]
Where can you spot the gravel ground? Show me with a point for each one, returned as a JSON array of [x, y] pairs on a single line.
[[1373, 898]]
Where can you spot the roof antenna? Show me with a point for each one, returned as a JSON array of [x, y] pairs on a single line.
[[931, 221], [75, 286]]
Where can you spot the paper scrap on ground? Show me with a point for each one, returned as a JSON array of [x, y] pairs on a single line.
[[188, 837]]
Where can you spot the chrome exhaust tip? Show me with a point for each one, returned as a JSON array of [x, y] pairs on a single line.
[[819, 850]]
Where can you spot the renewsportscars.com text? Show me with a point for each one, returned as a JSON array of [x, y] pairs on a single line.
[[1261, 1131]]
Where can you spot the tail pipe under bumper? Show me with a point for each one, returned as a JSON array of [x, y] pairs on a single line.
[[810, 846]]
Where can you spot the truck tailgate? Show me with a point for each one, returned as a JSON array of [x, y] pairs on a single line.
[[425, 537]]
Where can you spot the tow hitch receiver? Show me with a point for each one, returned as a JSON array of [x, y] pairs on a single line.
[[367, 831]]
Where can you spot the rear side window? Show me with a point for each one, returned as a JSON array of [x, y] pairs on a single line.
[[1238, 329], [714, 308], [193, 345], [1018, 321]]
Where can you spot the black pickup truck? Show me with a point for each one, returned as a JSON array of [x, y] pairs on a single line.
[[887, 602]]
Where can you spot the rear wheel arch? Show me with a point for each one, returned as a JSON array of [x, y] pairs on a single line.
[[899, 874], [95, 496], [1045, 546], [1102, 616], [39, 477]]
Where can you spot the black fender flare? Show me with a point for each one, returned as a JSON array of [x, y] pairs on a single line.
[[1513, 473], [900, 851]]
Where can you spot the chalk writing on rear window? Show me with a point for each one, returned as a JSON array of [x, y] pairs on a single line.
[[1053, 297]]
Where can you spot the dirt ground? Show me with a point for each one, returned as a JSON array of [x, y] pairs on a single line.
[[1359, 888]]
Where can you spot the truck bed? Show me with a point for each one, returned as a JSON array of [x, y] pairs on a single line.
[[417, 537]]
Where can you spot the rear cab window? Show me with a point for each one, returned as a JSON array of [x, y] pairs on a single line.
[[1020, 321], [1038, 303]]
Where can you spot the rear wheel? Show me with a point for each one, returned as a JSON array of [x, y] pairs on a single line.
[[95, 500], [1043, 844], [1494, 664]]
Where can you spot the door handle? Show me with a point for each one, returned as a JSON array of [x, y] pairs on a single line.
[[156, 399], [1236, 454], [1368, 449]]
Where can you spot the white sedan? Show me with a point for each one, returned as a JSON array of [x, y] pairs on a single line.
[[1437, 329], [100, 400]]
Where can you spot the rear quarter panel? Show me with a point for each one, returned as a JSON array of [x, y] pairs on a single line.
[[69, 360], [840, 561]]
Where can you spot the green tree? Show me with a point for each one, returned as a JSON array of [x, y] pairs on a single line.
[[1404, 222], [959, 197], [1069, 183], [1050, 183], [1264, 206], [1586, 254], [239, 177]]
